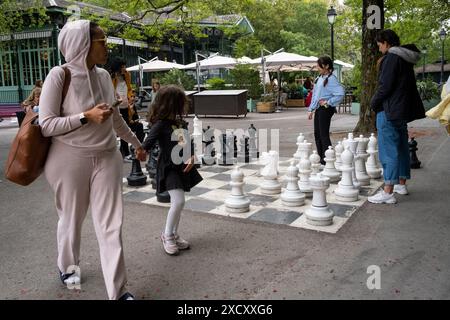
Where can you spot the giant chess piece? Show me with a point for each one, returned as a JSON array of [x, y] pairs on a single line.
[[136, 178], [197, 138], [237, 202], [244, 152], [209, 156], [338, 150], [271, 185], [315, 163], [292, 196], [353, 144], [414, 161], [227, 153], [360, 162], [298, 153], [252, 145], [152, 161], [304, 150], [319, 214], [373, 169], [330, 170], [304, 173], [345, 190]]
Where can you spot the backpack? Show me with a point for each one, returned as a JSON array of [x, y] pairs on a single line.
[[29, 150]]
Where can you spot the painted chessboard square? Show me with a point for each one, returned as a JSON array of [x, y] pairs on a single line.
[[201, 204], [222, 177], [211, 184], [215, 169], [138, 196], [341, 210], [261, 200], [252, 166], [196, 191], [275, 216]]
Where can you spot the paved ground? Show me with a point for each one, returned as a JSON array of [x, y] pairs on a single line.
[[241, 259]]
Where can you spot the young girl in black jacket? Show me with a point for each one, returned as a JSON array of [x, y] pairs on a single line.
[[175, 169]]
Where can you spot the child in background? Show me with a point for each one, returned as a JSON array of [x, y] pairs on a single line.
[[173, 174]]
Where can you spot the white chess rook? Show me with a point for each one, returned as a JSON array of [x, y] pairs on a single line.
[[319, 214], [271, 185], [237, 202], [345, 190], [372, 166], [330, 170], [292, 196], [360, 162]]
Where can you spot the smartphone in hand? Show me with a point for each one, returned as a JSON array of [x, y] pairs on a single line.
[[115, 104]]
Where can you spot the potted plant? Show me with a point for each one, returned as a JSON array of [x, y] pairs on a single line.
[[266, 103], [429, 92], [216, 84], [295, 95]]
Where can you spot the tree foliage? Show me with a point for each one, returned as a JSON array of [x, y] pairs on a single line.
[[19, 15]]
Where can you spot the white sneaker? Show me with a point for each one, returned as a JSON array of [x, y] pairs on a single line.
[[71, 278], [382, 197], [401, 189]]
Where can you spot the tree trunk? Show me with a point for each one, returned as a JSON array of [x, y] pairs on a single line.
[[369, 74]]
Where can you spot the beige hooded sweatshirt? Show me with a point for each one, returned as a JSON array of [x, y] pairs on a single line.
[[87, 89]]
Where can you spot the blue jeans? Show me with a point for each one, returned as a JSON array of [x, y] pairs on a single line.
[[393, 149]]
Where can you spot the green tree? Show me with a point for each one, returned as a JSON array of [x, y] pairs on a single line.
[[179, 78], [18, 15]]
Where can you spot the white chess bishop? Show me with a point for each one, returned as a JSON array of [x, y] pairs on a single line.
[[304, 173], [338, 151], [330, 170], [197, 137], [292, 196], [270, 185], [345, 190], [297, 154], [352, 145], [315, 163], [304, 151], [237, 201], [372, 165], [319, 214]]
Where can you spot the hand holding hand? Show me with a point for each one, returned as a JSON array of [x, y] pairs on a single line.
[[141, 154], [99, 114]]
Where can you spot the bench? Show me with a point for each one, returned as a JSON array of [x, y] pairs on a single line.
[[8, 110]]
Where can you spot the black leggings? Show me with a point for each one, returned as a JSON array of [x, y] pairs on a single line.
[[322, 121]]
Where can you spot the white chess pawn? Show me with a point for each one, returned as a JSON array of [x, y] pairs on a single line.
[[315, 162], [360, 162], [338, 149], [330, 170], [304, 173], [292, 196], [373, 169], [297, 154], [345, 190], [197, 127], [319, 214], [237, 202], [305, 151], [271, 185]]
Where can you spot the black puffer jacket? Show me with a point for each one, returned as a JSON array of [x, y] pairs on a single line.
[[397, 92]]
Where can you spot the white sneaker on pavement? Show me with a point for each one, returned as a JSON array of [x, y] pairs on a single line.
[[400, 189], [382, 197]]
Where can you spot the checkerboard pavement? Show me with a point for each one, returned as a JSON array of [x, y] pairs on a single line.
[[209, 196]]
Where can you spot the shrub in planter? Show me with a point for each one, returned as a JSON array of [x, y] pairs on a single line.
[[179, 78], [246, 77], [216, 84]]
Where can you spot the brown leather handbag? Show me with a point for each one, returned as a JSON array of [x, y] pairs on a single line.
[[28, 152]]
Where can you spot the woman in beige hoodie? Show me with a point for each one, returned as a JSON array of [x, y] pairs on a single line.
[[84, 167]]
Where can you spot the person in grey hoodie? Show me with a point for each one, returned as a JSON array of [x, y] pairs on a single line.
[[84, 166], [396, 102]]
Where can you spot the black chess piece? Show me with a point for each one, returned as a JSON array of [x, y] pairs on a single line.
[[227, 152], [136, 178], [152, 161], [414, 161], [209, 156], [253, 148], [244, 151]]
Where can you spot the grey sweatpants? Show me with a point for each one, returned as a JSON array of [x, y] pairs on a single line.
[[80, 179]]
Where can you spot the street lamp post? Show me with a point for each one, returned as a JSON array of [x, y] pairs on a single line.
[[424, 51], [331, 15], [442, 35]]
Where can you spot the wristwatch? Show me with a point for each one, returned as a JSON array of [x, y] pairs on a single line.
[[83, 119]]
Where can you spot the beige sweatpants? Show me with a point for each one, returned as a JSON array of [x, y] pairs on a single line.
[[79, 179]]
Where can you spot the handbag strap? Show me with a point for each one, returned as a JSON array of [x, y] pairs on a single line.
[[67, 79]]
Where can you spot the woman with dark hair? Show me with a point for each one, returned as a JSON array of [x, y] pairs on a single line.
[[175, 169], [396, 102], [327, 95], [121, 80], [84, 167]]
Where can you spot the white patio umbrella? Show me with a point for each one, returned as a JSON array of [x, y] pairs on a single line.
[[244, 60], [215, 62], [156, 65], [286, 58], [345, 65]]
